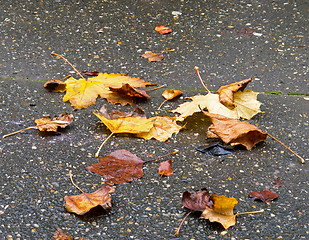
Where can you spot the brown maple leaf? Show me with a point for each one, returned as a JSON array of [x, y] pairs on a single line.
[[198, 201], [55, 86], [60, 235], [163, 30], [165, 168], [83, 203], [118, 167], [265, 195], [127, 95], [234, 132], [226, 93], [153, 57]]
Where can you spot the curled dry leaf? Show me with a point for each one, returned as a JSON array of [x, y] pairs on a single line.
[[198, 201], [118, 167], [55, 86], [165, 168], [226, 93], [222, 211], [45, 123], [81, 204], [127, 95], [163, 30], [265, 195], [60, 235], [153, 57], [234, 132], [170, 94], [88, 73]]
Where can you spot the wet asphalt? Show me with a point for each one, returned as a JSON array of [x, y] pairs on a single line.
[[110, 36]]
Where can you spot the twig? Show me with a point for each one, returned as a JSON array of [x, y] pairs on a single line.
[[71, 177], [178, 229], [156, 88], [152, 160], [199, 76], [242, 213], [58, 55], [10, 134], [97, 153], [162, 104], [302, 160]]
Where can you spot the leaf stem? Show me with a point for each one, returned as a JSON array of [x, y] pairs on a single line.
[[199, 76], [162, 104], [178, 229], [71, 177], [168, 154], [302, 160], [242, 213], [97, 153], [10, 134], [156, 88], [58, 55]]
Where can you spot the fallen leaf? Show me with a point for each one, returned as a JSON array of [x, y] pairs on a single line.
[[247, 32], [277, 182], [246, 105], [83, 92], [163, 30], [265, 195], [198, 201], [221, 211], [55, 86], [163, 129], [60, 235], [165, 168], [118, 167], [122, 122], [94, 73], [81, 204], [215, 149], [226, 93], [45, 123], [234, 132], [170, 94], [127, 95], [153, 57]]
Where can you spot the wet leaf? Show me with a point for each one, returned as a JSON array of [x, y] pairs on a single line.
[[234, 132], [45, 123], [55, 86], [198, 201], [265, 195], [118, 167], [246, 105], [221, 211], [94, 73], [170, 94], [226, 93], [83, 92], [81, 204], [163, 30], [127, 95], [277, 182], [60, 235], [215, 149], [153, 57], [247, 32], [165, 168]]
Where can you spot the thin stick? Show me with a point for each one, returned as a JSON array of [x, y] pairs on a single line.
[[175, 19], [199, 76], [162, 104], [302, 160], [242, 213], [178, 229], [97, 153], [10, 134], [156, 88], [69, 64], [152, 160], [71, 177]]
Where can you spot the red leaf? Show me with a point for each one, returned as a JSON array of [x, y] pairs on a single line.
[[265, 195], [163, 30], [165, 168], [197, 202]]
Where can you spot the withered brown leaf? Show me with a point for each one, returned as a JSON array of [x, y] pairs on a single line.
[[265, 195], [118, 167], [60, 235], [165, 168], [127, 95], [198, 201], [83, 203], [153, 57], [45, 123]]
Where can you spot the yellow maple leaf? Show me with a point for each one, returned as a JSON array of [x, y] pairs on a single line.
[[246, 105], [222, 211], [83, 92]]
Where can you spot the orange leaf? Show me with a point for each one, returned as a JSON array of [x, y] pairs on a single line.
[[170, 94], [234, 132], [81, 204], [118, 167], [60, 235], [153, 57], [226, 93], [163, 30], [127, 95], [51, 125], [83, 93], [222, 211], [165, 168]]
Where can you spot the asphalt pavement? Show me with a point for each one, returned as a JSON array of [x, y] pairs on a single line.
[[228, 40]]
